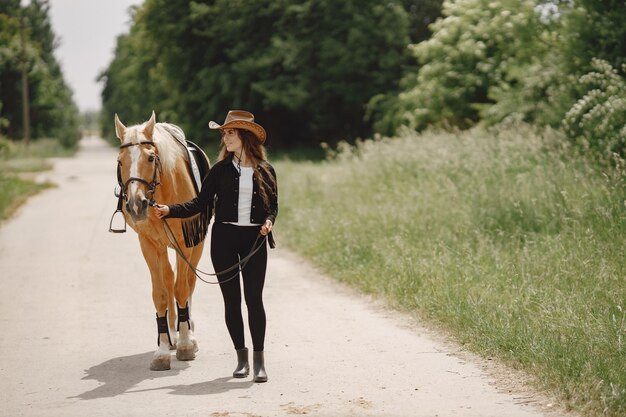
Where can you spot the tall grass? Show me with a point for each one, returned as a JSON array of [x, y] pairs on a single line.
[[509, 240]]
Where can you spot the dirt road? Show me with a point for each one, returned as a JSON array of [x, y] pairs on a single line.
[[79, 330]]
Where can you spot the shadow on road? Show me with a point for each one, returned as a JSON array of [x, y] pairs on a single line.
[[120, 374], [215, 386]]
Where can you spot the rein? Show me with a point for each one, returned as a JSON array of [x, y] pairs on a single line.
[[123, 187], [238, 266]]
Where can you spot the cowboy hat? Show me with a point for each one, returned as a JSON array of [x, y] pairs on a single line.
[[241, 119]]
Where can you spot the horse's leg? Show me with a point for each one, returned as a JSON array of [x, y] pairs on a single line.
[[187, 345], [162, 289]]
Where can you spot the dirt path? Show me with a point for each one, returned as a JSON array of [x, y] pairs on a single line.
[[79, 330]]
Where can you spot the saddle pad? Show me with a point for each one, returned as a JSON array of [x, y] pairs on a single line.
[[197, 162]]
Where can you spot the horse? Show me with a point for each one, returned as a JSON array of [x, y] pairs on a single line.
[[152, 166]]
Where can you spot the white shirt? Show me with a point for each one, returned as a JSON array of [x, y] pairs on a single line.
[[244, 204]]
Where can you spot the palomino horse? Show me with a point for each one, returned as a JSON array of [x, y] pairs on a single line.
[[152, 166]]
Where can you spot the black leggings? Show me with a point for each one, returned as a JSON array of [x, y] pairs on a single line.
[[229, 243]]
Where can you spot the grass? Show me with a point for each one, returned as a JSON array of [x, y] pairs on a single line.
[[14, 192], [510, 241], [38, 149], [16, 162]]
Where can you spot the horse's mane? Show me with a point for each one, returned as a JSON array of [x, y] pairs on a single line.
[[168, 138], [165, 137]]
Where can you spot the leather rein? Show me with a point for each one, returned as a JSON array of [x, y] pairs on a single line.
[[123, 187]]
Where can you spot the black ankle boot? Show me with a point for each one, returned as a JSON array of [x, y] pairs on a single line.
[[259, 367], [243, 368]]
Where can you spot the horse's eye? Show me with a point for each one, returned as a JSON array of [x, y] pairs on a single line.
[[151, 158]]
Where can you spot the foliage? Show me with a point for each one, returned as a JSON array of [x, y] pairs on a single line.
[[306, 68], [594, 29], [509, 239], [491, 61], [134, 82], [539, 92], [476, 46], [52, 110], [574, 32], [421, 14], [599, 117]]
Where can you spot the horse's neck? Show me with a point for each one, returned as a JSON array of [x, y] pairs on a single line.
[[176, 185]]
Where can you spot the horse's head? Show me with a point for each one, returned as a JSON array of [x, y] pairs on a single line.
[[138, 166]]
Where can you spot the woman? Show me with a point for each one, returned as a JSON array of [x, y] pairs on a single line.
[[242, 185]]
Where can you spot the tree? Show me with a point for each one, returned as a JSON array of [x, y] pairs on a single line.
[[306, 68], [52, 110], [475, 46], [421, 14], [134, 82], [494, 60], [595, 29]]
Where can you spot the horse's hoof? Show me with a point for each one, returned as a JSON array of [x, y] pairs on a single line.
[[160, 363], [187, 353]]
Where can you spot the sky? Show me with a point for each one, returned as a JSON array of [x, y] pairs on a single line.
[[87, 31]]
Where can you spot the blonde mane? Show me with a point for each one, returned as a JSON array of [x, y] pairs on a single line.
[[165, 138]]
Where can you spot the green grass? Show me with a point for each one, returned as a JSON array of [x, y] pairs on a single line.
[[16, 163], [15, 191], [510, 241], [38, 149]]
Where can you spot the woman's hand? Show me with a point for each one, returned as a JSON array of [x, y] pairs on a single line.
[[267, 227], [160, 210]]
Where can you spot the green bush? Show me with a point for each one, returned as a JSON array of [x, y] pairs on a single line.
[[477, 45], [598, 119]]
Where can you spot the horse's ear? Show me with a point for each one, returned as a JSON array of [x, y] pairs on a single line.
[[120, 129], [147, 131]]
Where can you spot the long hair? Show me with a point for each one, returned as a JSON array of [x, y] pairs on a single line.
[[256, 155]]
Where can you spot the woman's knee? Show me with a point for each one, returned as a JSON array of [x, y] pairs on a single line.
[[254, 302]]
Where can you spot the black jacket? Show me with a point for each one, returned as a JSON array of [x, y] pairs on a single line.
[[221, 187]]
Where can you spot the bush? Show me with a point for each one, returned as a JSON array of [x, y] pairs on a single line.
[[476, 46], [599, 118]]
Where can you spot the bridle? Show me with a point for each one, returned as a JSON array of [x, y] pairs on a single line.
[[151, 185], [122, 193]]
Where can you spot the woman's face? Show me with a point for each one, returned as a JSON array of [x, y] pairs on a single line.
[[232, 141]]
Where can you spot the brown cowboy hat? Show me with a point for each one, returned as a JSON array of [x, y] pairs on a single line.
[[241, 119]]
